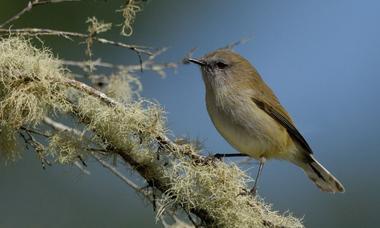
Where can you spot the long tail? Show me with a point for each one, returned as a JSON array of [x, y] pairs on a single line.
[[321, 176]]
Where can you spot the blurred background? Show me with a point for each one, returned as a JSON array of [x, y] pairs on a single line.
[[320, 57]]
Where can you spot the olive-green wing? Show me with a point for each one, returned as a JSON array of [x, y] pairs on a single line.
[[279, 114]]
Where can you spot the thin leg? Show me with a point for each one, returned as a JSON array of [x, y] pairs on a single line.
[[229, 155], [261, 166]]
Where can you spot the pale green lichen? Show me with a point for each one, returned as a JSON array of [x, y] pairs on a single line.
[[30, 88], [96, 26], [30, 83], [129, 127], [9, 147], [129, 11], [124, 87], [66, 147], [216, 187]]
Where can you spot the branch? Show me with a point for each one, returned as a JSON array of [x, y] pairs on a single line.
[[143, 191], [147, 65], [32, 4], [151, 172], [51, 32], [34, 82]]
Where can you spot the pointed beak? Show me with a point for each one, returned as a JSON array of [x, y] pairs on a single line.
[[197, 61]]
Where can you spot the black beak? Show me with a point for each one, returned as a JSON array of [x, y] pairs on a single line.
[[197, 61]]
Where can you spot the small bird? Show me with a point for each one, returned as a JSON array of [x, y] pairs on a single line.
[[250, 117]]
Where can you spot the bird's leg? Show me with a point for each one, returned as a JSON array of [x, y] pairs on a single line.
[[261, 166], [219, 156]]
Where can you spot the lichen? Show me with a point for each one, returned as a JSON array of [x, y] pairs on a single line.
[[96, 26], [66, 147], [217, 188], [124, 87], [33, 83], [30, 83], [9, 147], [129, 127], [30, 88], [129, 11]]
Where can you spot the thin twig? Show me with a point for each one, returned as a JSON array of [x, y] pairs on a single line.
[[80, 166], [33, 143], [66, 34], [146, 65], [115, 171], [35, 131], [164, 144], [37, 146], [61, 127], [163, 140], [238, 42], [29, 7]]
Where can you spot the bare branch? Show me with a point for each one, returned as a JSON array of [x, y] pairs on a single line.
[[61, 127], [51, 32], [80, 166], [114, 170], [147, 65], [236, 43], [29, 7]]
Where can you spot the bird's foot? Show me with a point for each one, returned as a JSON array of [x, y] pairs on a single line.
[[211, 159], [218, 156], [251, 192]]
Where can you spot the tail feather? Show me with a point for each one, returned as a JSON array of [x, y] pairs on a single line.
[[321, 176]]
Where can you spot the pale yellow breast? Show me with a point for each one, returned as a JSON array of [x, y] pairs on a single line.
[[249, 129]]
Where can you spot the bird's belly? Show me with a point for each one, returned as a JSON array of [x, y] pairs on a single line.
[[251, 132]]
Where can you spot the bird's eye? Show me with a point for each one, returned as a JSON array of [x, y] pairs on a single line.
[[221, 65]]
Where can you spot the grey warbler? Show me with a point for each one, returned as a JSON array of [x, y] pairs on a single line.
[[250, 117]]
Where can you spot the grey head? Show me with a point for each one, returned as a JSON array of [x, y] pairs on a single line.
[[224, 66]]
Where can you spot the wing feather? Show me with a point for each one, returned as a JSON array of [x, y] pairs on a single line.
[[280, 115]]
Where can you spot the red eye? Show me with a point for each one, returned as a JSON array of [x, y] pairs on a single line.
[[221, 65]]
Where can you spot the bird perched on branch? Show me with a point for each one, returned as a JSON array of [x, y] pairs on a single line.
[[249, 116]]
